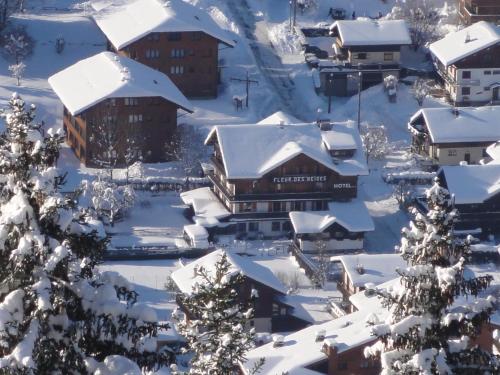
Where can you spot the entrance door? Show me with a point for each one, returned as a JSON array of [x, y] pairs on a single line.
[[496, 93], [467, 157]]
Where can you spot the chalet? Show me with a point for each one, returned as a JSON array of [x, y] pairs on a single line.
[[287, 168], [112, 96], [171, 36], [271, 311], [372, 47], [340, 228], [449, 136], [365, 271], [476, 190], [468, 61], [471, 11], [337, 346]]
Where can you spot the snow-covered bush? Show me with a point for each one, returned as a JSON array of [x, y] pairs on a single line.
[[17, 44], [110, 201], [428, 331], [17, 71], [420, 90], [58, 313], [218, 332], [375, 141], [422, 18]]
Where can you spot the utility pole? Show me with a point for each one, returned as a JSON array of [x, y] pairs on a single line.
[[329, 88], [247, 81], [360, 80], [293, 15]]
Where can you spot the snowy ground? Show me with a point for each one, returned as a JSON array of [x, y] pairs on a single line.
[[156, 219]]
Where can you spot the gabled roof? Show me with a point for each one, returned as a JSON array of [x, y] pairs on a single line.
[[468, 124], [352, 215], [378, 268], [301, 349], [367, 32], [494, 152], [472, 184], [124, 22], [185, 278], [251, 151], [460, 44], [107, 75], [279, 117]]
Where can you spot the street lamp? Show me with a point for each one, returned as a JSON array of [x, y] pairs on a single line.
[[360, 80], [329, 87]]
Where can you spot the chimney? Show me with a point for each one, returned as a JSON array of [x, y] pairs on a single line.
[[278, 341], [282, 124], [360, 269], [467, 37], [320, 335], [331, 351]]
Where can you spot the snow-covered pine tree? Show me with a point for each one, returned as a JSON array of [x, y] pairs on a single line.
[[431, 324], [58, 313], [218, 330]]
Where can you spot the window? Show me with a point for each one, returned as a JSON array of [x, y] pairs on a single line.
[[361, 56], [318, 205], [466, 74], [112, 102], [388, 56], [134, 119], [152, 53], [496, 72], [177, 69], [283, 311], [253, 226], [276, 309], [487, 72], [241, 227], [247, 207], [338, 234], [177, 53], [133, 54], [465, 90], [196, 35], [452, 152], [275, 226], [174, 37], [286, 226], [342, 366], [298, 206], [487, 88], [131, 101], [153, 36], [277, 207]]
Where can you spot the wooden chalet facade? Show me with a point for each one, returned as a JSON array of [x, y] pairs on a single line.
[[128, 108], [172, 37], [371, 49], [260, 288], [294, 171], [477, 196], [471, 11], [450, 136], [468, 62]]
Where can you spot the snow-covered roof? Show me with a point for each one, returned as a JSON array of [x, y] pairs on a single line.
[[250, 151], [460, 44], [377, 268], [279, 117], [468, 124], [494, 152], [185, 278], [301, 349], [208, 209], [124, 22], [107, 75], [472, 183], [340, 138], [367, 32], [352, 215], [196, 232]]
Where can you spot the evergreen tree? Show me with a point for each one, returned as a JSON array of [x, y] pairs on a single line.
[[428, 331], [217, 328], [58, 314]]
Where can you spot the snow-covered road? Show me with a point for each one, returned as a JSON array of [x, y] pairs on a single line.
[[269, 63]]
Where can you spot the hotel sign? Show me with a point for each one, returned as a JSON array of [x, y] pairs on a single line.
[[299, 179]]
